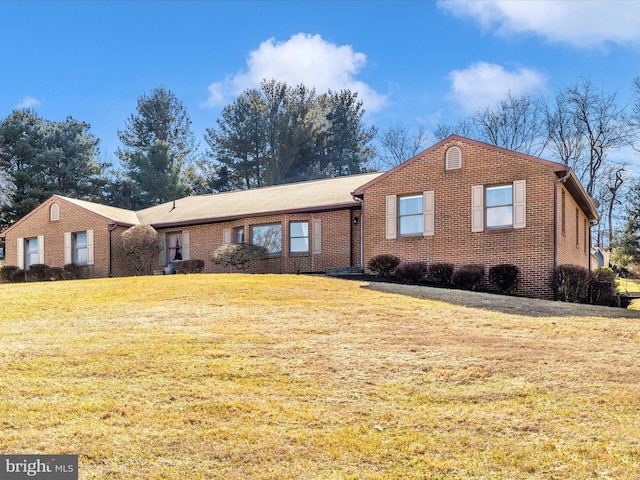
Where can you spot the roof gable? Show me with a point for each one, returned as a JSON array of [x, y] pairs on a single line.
[[562, 171]]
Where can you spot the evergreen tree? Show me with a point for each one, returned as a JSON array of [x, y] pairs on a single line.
[[40, 158], [627, 247], [280, 134], [157, 147]]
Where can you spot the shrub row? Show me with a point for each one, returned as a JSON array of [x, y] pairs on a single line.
[[40, 273], [504, 278], [577, 284], [189, 266]]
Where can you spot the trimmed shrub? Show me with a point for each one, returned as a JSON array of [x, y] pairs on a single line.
[[572, 283], [71, 271], [189, 266], [603, 287], [18, 276], [7, 271], [468, 277], [54, 273], [140, 247], [383, 265], [504, 277], [411, 272], [440, 273], [37, 272], [239, 255], [603, 293]]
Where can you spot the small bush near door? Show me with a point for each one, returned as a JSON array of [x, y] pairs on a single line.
[[383, 265]]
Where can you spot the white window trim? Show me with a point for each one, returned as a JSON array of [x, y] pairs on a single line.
[[519, 204]]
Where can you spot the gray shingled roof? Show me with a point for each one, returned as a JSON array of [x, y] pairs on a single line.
[[118, 215], [315, 195]]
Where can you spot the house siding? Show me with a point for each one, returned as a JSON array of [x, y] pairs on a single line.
[[71, 219], [530, 248], [573, 247], [339, 242]]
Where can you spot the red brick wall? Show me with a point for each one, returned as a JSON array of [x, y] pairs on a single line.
[[530, 248], [572, 249], [338, 238], [72, 219]]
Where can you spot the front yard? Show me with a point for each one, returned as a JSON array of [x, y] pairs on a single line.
[[289, 377]]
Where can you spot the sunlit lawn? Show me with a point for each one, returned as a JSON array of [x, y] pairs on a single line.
[[300, 377], [630, 286]]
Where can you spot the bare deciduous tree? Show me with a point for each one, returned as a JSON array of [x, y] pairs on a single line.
[[516, 123], [399, 145], [600, 122]]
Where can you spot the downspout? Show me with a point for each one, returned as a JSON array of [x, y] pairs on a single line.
[[109, 270], [361, 229], [555, 226]]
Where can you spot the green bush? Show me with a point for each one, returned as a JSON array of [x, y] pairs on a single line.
[[189, 266], [37, 272], [440, 273], [572, 283], [383, 265], [468, 277], [411, 272], [504, 277], [7, 271]]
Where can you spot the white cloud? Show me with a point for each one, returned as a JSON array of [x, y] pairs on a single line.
[[582, 23], [484, 84], [28, 102], [306, 59]]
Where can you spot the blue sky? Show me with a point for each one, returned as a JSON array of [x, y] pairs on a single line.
[[411, 62]]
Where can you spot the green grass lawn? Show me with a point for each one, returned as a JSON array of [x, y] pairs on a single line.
[[302, 377]]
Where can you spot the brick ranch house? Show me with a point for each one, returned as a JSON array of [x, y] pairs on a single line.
[[307, 227], [460, 201]]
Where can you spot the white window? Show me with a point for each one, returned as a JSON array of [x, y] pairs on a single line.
[[238, 235], [174, 247], [410, 215], [30, 252], [499, 206], [80, 250], [299, 237], [268, 236]]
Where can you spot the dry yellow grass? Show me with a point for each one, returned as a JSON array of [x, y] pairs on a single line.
[[291, 377]]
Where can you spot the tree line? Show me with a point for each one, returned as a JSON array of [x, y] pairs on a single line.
[[279, 133]]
